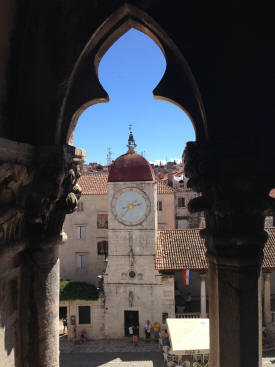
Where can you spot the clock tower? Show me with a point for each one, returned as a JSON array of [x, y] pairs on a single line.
[[133, 288]]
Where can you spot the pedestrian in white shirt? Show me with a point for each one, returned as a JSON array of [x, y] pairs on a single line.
[[147, 329]]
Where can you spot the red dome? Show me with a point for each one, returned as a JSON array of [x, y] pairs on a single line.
[[131, 167]]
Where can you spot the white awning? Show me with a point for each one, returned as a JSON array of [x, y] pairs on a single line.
[[189, 336]]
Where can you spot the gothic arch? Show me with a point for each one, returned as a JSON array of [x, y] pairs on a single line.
[[84, 89]]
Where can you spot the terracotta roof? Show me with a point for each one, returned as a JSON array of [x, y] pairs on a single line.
[[165, 177], [163, 188], [95, 183], [184, 249], [180, 249], [131, 167]]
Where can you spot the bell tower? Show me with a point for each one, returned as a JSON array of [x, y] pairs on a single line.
[[132, 285]]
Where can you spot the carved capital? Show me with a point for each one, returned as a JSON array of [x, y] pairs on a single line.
[[234, 184], [38, 187]]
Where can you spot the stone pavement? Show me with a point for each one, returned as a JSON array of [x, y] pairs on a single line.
[[120, 353], [111, 346], [110, 353]]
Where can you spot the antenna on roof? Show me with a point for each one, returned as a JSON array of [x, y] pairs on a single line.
[[109, 156]]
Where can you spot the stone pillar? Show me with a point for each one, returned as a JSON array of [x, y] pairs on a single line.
[[203, 295], [267, 301], [234, 207], [38, 188], [234, 311], [46, 298]]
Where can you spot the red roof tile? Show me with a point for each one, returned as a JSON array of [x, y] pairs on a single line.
[[95, 183], [165, 177], [184, 249], [180, 249], [163, 188]]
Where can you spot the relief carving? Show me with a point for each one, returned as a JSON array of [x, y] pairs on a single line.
[[14, 178], [131, 298], [37, 189], [234, 198]]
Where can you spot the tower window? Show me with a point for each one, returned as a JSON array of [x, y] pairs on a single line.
[[181, 202], [102, 221], [159, 205]]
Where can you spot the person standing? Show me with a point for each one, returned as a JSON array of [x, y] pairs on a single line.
[[135, 336], [165, 339], [156, 330], [65, 324], [147, 329], [131, 332]]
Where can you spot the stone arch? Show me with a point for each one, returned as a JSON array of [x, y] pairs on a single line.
[[177, 85]]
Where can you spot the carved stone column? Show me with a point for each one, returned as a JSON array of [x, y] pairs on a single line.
[[38, 187], [235, 203], [267, 299], [203, 295]]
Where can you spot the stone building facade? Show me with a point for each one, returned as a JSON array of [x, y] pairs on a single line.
[[105, 243], [87, 228]]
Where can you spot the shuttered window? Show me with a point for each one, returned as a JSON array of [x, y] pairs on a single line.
[[102, 247], [81, 232], [81, 261]]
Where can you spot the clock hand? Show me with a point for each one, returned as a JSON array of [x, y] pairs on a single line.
[[122, 215], [138, 204]]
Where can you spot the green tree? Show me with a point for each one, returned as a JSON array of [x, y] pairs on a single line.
[[70, 290]]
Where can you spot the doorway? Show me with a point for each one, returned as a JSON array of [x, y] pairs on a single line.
[[130, 317], [62, 312]]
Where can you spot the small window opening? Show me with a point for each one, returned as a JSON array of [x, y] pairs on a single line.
[[84, 314], [181, 202], [159, 205]]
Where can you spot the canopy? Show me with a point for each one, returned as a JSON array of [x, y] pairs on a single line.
[[189, 336]]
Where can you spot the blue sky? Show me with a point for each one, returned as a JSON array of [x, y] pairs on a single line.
[[129, 71]]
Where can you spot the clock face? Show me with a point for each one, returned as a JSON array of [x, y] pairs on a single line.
[[130, 206]]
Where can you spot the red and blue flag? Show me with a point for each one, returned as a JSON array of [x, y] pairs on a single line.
[[187, 277]]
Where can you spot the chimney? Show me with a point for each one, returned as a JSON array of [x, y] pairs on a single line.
[[170, 179]]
